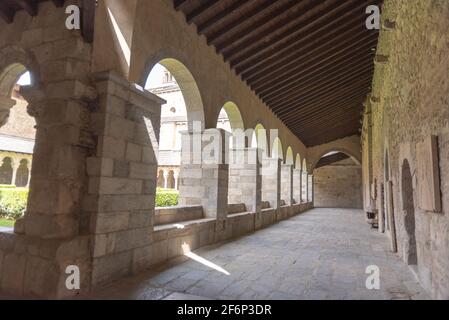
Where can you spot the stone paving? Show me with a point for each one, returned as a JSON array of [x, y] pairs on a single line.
[[321, 254]]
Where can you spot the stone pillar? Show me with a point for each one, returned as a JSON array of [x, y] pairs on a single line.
[[122, 178], [165, 179], [271, 181], [245, 180], [304, 186], [6, 103], [29, 175], [176, 176], [287, 184], [50, 236], [205, 172], [15, 164], [297, 185], [310, 189]]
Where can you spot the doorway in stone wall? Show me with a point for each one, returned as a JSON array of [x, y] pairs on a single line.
[[389, 204], [17, 139], [382, 208], [408, 207]]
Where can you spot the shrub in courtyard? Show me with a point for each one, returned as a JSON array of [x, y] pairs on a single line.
[[13, 202], [166, 197]]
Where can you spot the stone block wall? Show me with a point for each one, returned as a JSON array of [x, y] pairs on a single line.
[[338, 185], [297, 185], [409, 103], [201, 183], [271, 182], [120, 199], [245, 181], [51, 236], [287, 183]]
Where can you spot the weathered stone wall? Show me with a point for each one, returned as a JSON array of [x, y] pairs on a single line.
[[50, 237], [338, 185], [410, 102]]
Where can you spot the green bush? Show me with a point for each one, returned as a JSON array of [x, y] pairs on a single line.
[[7, 186], [13, 202], [166, 197]]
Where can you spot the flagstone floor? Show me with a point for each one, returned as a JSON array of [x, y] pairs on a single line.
[[320, 254]]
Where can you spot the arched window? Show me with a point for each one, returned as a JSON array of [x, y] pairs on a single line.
[[173, 82], [17, 136], [277, 150]]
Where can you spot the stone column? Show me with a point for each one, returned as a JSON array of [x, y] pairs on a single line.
[[297, 185], [165, 179], [29, 175], [271, 181], [62, 142], [51, 236], [176, 176], [122, 173], [205, 172], [6, 103], [15, 164], [245, 180], [310, 189], [304, 186], [287, 184]]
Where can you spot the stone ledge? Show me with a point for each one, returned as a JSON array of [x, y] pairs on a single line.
[[133, 87]]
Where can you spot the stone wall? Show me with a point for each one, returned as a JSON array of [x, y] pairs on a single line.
[[338, 185], [409, 103]]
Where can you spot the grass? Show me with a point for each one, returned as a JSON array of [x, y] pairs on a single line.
[[6, 223]]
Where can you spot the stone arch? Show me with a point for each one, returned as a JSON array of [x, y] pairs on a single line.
[[23, 172], [234, 115], [6, 171], [160, 179], [349, 146], [277, 150], [189, 89], [298, 162], [14, 62], [408, 207], [235, 126], [304, 165], [260, 139], [171, 179], [289, 156], [341, 150]]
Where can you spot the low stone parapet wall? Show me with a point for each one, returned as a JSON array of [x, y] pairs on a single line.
[[177, 214]]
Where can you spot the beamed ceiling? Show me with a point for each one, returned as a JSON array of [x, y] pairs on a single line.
[[9, 8], [310, 61]]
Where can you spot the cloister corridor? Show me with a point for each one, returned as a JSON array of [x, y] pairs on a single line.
[[320, 254]]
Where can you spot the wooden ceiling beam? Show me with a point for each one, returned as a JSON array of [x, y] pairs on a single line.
[[323, 99], [327, 87], [213, 38], [254, 27], [272, 45], [295, 77], [325, 40], [200, 10], [306, 84], [303, 112], [203, 27]]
